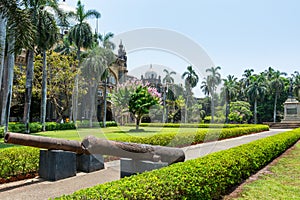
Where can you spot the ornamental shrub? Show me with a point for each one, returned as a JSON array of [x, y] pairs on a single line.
[[1, 132], [208, 177]]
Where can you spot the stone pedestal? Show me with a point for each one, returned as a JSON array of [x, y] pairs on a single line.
[[291, 111], [57, 164], [90, 163], [130, 167]]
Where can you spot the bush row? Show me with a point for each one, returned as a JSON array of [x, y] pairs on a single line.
[[1, 132], [86, 124], [209, 177], [207, 125], [37, 127], [18, 160], [187, 138]]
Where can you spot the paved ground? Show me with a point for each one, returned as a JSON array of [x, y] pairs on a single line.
[[36, 189]]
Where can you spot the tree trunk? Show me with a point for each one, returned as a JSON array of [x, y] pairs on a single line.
[[4, 91], [105, 103], [137, 125], [212, 108], [28, 89], [92, 102], [44, 91], [227, 112], [255, 111], [275, 104], [3, 23], [75, 92], [10, 77]]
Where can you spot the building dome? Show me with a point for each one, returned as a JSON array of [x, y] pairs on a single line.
[[151, 74]]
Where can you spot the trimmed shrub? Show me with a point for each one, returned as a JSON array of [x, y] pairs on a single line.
[[18, 160], [207, 125], [1, 132], [37, 127], [209, 177], [86, 124], [201, 135]]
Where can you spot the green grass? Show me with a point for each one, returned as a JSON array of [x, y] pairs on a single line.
[[108, 133], [283, 183]]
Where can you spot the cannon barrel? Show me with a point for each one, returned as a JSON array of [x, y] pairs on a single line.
[[133, 150], [44, 142], [93, 145]]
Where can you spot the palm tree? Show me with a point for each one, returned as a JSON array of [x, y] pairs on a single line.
[[105, 41], [229, 90], [245, 81], [37, 11], [81, 35], [19, 36], [256, 89], [191, 81], [212, 81], [168, 78], [277, 83], [46, 37]]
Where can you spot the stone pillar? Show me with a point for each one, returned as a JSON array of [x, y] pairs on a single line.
[[291, 111], [90, 163], [57, 164], [131, 167]]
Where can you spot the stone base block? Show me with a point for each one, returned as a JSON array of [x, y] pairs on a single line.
[[57, 164], [130, 167], [90, 163]]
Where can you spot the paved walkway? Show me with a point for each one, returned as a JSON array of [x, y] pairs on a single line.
[[36, 189]]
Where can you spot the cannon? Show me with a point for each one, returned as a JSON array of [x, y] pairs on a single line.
[[93, 145]]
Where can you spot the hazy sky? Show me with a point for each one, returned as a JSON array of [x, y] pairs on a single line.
[[235, 34]]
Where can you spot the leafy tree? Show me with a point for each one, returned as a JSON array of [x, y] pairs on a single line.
[[240, 112], [105, 41], [141, 101], [296, 82]]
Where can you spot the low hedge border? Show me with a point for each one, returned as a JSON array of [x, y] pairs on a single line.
[[160, 139], [209, 177], [1, 132], [206, 125], [18, 161], [201, 135]]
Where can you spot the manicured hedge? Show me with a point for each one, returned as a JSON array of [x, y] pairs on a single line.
[[1, 132], [86, 124], [37, 127], [209, 177], [207, 125], [18, 160], [201, 135]]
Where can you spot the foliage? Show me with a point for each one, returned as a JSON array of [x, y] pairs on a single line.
[[141, 101], [1, 132], [239, 112], [192, 137], [208, 177], [86, 124], [37, 127], [18, 160]]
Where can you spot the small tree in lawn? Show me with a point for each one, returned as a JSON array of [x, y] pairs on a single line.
[[239, 112], [141, 101]]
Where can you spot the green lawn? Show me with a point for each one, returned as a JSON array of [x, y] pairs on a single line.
[[283, 183], [108, 133]]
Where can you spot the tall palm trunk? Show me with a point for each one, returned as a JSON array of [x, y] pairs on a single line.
[[92, 103], [3, 23], [28, 88], [105, 102], [212, 108], [227, 111], [255, 111], [44, 91], [275, 104], [75, 91], [8, 89]]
